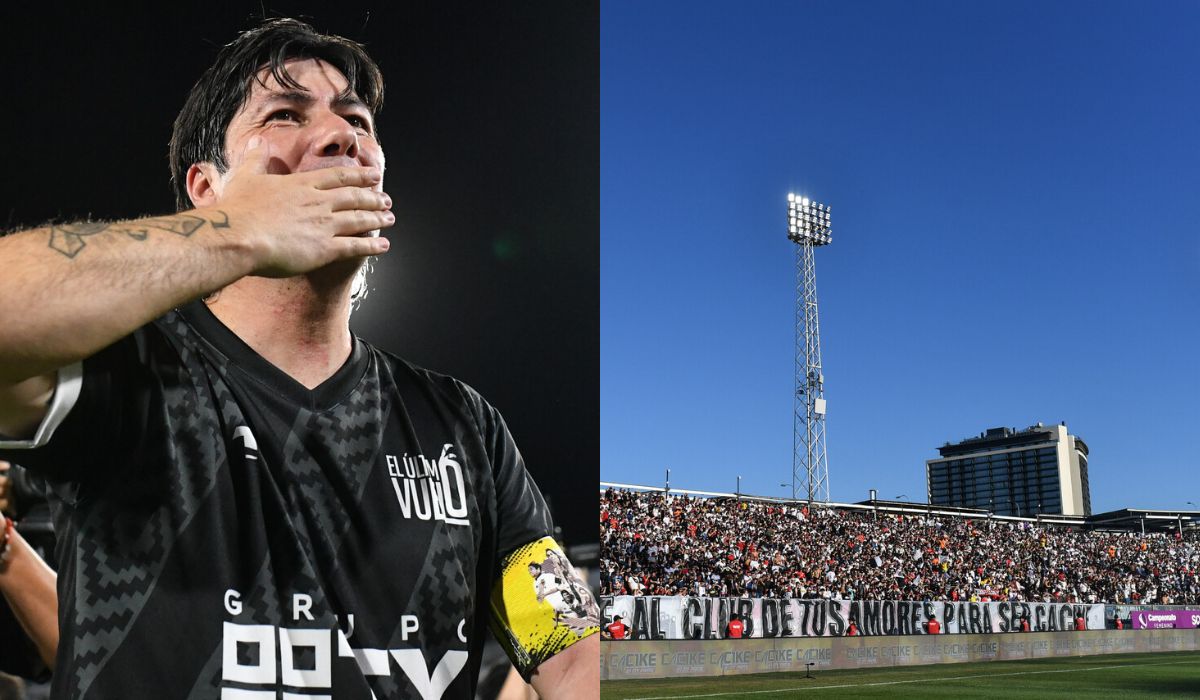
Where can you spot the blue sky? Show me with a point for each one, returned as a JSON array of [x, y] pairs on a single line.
[[1016, 236]]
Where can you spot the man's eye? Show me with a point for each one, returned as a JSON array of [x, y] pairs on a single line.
[[283, 115], [358, 122]]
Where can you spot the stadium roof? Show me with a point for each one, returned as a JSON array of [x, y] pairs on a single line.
[[1150, 520]]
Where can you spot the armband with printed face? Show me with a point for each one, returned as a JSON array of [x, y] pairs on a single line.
[[540, 606]]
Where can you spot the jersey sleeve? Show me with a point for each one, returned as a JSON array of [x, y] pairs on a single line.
[[67, 385], [89, 417], [521, 513], [540, 605]]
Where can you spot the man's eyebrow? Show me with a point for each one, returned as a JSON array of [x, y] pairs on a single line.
[[349, 99], [306, 99]]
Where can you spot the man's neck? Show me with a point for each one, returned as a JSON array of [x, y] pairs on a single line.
[[294, 323]]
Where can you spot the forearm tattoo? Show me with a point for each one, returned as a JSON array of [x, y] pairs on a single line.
[[69, 239]]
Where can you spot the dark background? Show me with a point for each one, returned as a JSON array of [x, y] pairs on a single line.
[[491, 129]]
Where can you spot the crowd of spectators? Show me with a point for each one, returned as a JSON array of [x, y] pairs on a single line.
[[664, 544]]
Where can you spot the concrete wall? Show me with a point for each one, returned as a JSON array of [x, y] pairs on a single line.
[[1068, 472], [621, 660]]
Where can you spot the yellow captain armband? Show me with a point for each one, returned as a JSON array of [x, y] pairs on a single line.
[[540, 606]]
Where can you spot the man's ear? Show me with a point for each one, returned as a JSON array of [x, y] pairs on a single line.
[[203, 184]]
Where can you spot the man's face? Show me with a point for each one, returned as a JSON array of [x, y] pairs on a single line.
[[309, 129]]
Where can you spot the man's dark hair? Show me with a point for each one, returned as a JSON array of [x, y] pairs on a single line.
[[199, 133]]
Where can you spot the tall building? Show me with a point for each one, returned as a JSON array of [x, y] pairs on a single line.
[[1039, 470]]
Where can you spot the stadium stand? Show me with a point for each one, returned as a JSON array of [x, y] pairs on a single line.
[[654, 543]]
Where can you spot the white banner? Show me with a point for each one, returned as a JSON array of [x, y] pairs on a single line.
[[678, 617]]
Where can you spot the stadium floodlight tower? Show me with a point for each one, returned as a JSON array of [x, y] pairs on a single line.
[[808, 228]]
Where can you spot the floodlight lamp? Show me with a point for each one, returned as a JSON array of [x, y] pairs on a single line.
[[804, 201], [791, 196]]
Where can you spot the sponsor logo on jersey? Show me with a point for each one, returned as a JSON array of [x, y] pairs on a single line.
[[245, 438], [258, 661], [430, 489]]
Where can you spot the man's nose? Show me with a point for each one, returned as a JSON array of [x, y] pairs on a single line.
[[337, 138]]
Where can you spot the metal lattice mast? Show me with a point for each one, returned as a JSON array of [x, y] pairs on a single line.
[[808, 228]]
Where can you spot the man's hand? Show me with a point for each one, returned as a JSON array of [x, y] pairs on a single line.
[[299, 222], [72, 289]]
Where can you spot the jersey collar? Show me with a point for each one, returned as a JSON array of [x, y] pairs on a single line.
[[328, 394]]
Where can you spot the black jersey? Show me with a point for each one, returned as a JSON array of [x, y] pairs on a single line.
[[226, 532]]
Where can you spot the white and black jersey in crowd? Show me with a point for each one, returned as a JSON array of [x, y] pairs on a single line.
[[225, 532]]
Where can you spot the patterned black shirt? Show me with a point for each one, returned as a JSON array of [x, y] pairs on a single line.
[[226, 532]]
